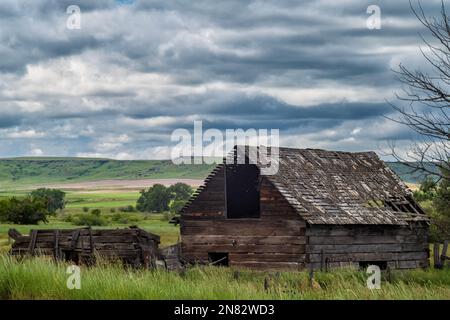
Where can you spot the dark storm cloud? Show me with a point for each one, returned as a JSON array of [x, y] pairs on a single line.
[[256, 107], [8, 121], [84, 85]]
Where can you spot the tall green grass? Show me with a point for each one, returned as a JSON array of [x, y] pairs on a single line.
[[40, 278]]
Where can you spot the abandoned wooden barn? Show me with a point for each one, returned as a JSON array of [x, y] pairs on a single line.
[[323, 209]]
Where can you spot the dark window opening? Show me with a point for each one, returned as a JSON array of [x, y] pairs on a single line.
[[242, 191], [363, 265], [218, 258]]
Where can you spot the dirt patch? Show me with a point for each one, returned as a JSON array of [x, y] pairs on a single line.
[[114, 185], [413, 186]]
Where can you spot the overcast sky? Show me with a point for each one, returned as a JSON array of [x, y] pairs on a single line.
[[137, 70]]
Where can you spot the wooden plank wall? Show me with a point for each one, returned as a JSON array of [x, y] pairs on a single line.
[[275, 241], [210, 202], [335, 246]]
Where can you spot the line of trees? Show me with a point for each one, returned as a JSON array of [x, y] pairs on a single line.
[[33, 208]]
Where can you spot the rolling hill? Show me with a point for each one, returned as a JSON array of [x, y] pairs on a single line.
[[29, 171], [16, 172]]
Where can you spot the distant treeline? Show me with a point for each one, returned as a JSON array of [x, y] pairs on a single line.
[[407, 174]]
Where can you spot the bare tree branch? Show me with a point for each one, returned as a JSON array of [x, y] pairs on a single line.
[[425, 99]]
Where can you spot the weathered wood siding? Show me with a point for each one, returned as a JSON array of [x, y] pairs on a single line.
[[276, 240], [335, 246]]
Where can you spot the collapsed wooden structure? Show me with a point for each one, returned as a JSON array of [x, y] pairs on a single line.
[[133, 246], [323, 209]]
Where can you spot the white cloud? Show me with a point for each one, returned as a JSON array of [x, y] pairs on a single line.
[[36, 152], [26, 134]]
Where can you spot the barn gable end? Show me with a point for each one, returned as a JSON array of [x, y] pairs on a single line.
[[275, 240]]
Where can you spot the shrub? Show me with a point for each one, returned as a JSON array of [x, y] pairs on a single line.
[[176, 205], [54, 198], [86, 209], [167, 216], [442, 199], [180, 191], [155, 199], [126, 218], [89, 219], [158, 198], [439, 228], [28, 210], [427, 190], [67, 218], [96, 212], [129, 208], [435, 199]]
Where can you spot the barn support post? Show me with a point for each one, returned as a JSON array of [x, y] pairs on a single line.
[[56, 246], [91, 240], [311, 278], [437, 257], [444, 253], [32, 245], [266, 284], [389, 274], [322, 260]]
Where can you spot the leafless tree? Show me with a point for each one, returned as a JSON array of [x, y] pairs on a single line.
[[424, 104]]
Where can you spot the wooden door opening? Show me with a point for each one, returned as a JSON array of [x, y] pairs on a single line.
[[242, 191]]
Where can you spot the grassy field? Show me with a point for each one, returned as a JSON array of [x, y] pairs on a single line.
[[39, 278]]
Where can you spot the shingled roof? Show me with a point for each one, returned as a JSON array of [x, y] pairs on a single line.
[[330, 187]]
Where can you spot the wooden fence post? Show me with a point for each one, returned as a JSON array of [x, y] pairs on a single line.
[[389, 274], [437, 257], [322, 260], [266, 284], [444, 253], [311, 278]]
